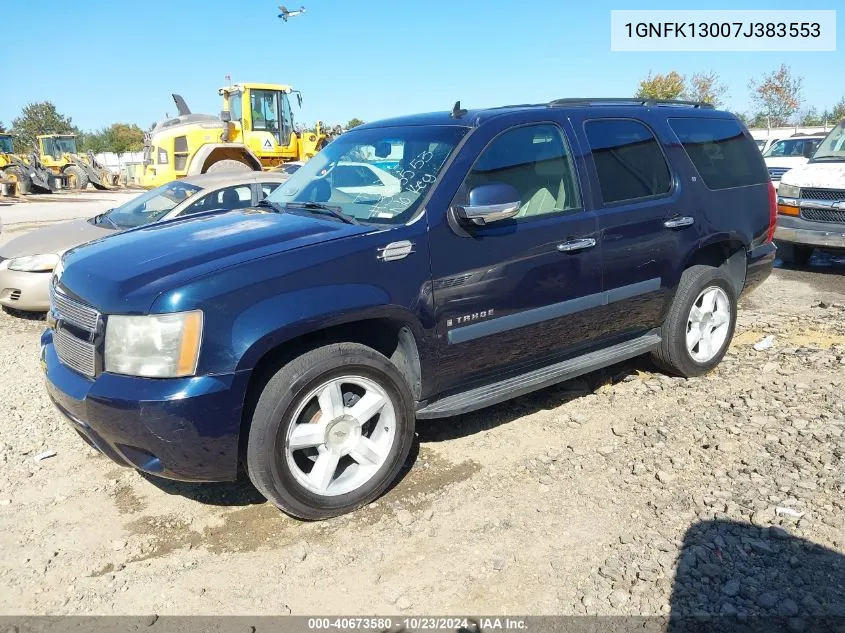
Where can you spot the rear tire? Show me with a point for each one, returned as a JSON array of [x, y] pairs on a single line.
[[22, 180], [77, 179], [228, 165], [695, 336], [312, 450], [791, 253]]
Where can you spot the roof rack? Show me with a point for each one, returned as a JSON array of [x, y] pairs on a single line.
[[583, 101]]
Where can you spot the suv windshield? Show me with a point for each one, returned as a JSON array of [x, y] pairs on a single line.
[[377, 175], [833, 146], [151, 206], [793, 148], [5, 144]]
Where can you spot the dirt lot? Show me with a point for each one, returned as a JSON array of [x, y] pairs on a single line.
[[624, 492]]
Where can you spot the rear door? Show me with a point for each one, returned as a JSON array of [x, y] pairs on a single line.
[[644, 228], [513, 292]]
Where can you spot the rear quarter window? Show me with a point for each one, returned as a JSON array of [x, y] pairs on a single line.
[[723, 154]]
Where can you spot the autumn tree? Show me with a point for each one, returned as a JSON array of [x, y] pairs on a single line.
[[664, 87], [354, 122], [36, 118], [777, 95], [706, 88], [124, 137]]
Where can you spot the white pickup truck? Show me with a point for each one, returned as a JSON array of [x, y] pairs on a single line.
[[811, 202], [788, 153]]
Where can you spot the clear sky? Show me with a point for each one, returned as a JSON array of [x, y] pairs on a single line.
[[106, 60]]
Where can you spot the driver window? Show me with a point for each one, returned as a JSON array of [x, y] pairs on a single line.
[[239, 197], [535, 161]]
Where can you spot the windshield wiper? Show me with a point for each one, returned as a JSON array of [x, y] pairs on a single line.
[[272, 205], [823, 158], [319, 208]]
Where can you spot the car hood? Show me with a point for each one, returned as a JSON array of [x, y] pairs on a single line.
[[54, 239], [788, 161], [125, 273], [824, 175]]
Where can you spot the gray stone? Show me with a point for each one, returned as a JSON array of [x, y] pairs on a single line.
[[767, 599], [404, 517], [664, 477], [788, 607], [617, 598], [731, 588]]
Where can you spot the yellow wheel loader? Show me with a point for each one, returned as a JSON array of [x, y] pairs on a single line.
[[58, 153], [26, 175], [254, 131]]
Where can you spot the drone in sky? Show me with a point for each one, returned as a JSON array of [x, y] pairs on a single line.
[[286, 15]]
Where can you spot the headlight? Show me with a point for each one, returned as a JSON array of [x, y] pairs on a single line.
[[34, 263], [162, 156], [789, 191], [154, 346]]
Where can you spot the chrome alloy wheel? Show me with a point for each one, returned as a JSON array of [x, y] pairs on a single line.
[[708, 324], [341, 435]]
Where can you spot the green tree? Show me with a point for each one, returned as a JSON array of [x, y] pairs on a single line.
[[40, 117], [707, 88], [669, 86], [777, 95], [354, 122], [96, 141], [811, 118], [124, 137], [835, 114]]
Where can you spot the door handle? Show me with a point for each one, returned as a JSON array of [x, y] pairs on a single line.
[[678, 222], [576, 245]]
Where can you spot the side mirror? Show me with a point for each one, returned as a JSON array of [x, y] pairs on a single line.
[[225, 116], [490, 203]]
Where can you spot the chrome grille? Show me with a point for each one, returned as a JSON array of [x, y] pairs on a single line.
[[73, 312], [824, 215], [816, 193], [776, 173], [75, 353]]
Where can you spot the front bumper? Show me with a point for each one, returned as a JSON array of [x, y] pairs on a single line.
[[182, 428], [820, 234], [25, 291]]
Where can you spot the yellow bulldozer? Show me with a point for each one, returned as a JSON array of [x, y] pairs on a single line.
[[25, 174], [254, 131], [58, 153]]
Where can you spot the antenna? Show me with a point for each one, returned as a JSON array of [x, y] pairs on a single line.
[[457, 110]]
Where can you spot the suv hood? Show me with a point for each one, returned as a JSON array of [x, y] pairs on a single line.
[[785, 161], [126, 272], [824, 175], [54, 239]]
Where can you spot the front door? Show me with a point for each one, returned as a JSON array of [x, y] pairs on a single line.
[[517, 291]]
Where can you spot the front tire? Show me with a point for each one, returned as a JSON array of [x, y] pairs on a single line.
[[77, 179], [22, 180], [228, 165], [331, 431], [700, 324]]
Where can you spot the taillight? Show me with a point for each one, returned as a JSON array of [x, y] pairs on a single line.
[[773, 212]]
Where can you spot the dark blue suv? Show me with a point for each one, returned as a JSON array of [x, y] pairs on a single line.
[[418, 267]]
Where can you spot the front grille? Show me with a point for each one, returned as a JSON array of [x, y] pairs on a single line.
[[776, 173], [73, 311], [75, 332], [816, 193], [75, 353], [824, 215]]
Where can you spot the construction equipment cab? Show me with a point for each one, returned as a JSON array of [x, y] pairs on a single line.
[[255, 130]]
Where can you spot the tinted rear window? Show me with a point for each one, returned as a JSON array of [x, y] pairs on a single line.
[[721, 152], [629, 161]]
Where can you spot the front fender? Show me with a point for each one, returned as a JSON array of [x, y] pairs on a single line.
[[277, 320]]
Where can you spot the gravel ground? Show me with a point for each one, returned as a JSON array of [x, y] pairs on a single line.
[[626, 492]]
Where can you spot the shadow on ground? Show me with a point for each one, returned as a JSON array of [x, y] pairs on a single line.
[[739, 577]]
